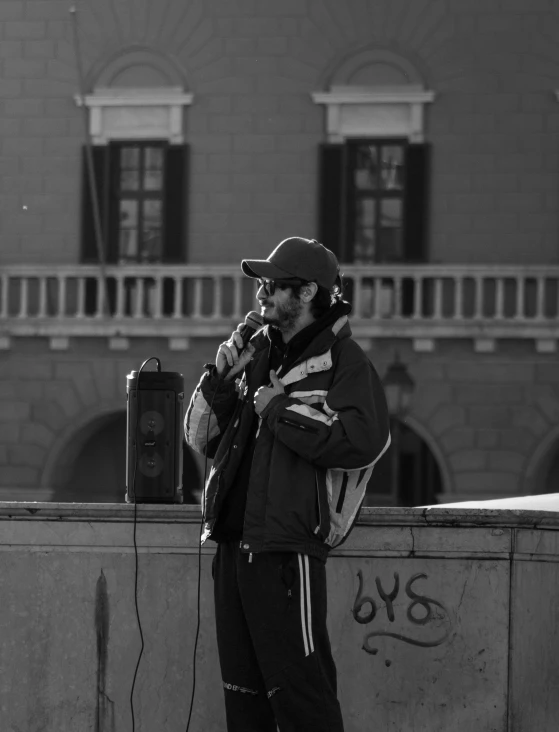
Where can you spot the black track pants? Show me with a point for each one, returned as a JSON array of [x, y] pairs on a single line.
[[274, 650]]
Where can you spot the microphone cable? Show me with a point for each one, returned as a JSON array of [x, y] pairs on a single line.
[[202, 521], [255, 319], [136, 443], [221, 381], [142, 646]]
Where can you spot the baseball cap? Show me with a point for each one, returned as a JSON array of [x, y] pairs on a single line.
[[305, 259]]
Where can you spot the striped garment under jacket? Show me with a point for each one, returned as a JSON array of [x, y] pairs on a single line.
[[316, 447]]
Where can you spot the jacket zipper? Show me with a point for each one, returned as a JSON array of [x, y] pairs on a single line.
[[227, 457], [244, 517], [250, 553], [298, 425], [316, 531]]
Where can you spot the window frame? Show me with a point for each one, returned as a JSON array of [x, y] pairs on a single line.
[[353, 194], [118, 194]]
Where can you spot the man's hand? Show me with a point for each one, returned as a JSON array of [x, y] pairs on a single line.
[[265, 394], [228, 354]]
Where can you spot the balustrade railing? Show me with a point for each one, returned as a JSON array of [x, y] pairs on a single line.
[[443, 300]]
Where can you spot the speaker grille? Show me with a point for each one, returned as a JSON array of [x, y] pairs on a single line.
[[159, 445]]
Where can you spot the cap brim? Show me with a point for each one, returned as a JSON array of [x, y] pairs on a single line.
[[263, 268]]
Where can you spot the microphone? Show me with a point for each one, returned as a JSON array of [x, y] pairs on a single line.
[[253, 322]]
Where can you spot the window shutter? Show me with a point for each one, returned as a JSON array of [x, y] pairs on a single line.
[[104, 171], [175, 207], [100, 155], [330, 197], [416, 203], [112, 204]]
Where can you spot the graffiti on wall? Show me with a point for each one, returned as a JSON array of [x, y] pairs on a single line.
[[420, 612]]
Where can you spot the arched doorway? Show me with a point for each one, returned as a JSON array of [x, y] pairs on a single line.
[[416, 479], [97, 471], [94, 469], [546, 478], [542, 468], [551, 479]]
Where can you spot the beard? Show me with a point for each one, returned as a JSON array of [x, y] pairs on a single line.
[[284, 316]]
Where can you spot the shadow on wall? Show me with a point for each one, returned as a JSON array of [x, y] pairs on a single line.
[[97, 473]]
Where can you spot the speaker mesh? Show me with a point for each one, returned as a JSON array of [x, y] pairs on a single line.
[[151, 422]]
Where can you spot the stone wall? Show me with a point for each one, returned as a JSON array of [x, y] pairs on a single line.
[[254, 130], [46, 402], [491, 420]]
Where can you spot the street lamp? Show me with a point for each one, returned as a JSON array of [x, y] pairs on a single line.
[[398, 387]]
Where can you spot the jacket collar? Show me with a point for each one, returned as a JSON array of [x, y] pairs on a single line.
[[335, 326], [318, 356]]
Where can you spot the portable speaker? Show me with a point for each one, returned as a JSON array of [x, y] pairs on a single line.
[[154, 419]]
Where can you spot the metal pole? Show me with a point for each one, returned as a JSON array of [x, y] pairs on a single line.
[[98, 228]]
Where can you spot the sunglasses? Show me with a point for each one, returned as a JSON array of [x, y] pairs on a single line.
[[270, 286]]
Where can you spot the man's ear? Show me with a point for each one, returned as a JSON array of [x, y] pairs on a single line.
[[308, 291]]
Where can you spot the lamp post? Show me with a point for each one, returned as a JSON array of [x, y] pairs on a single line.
[[398, 387]]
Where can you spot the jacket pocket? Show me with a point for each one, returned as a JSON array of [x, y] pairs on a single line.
[[323, 528], [298, 425], [341, 497]]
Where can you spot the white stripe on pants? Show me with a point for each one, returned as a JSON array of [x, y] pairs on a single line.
[[306, 616]]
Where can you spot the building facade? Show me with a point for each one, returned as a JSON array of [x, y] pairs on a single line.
[[147, 147]]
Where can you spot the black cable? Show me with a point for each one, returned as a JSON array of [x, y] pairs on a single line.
[[202, 521], [136, 444]]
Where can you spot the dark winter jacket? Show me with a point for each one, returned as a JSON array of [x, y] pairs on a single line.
[[316, 446]]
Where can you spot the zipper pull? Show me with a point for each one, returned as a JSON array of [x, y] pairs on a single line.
[[250, 558]]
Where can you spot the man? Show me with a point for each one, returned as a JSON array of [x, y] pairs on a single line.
[[294, 423]]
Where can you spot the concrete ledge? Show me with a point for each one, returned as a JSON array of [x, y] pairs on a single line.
[[447, 613], [512, 512]]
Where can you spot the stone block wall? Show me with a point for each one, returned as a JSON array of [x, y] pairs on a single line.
[[490, 420], [254, 130], [46, 403]]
